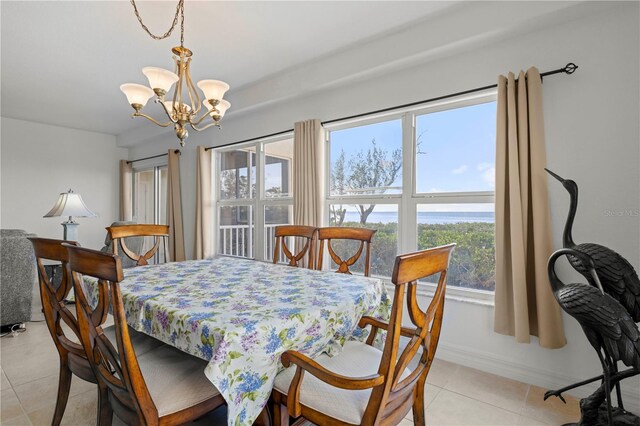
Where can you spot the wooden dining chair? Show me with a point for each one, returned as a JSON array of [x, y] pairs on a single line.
[[164, 386], [160, 234], [363, 385], [306, 235], [73, 358], [363, 235]]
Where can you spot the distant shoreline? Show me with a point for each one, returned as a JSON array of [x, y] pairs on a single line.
[[426, 217]]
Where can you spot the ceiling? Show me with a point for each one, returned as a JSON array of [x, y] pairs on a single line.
[[63, 62]]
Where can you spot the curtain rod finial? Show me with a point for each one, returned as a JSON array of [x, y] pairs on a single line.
[[570, 68]]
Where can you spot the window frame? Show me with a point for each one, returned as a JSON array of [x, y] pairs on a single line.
[[409, 199], [257, 248]]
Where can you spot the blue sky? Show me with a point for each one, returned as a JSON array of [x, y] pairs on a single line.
[[457, 152], [459, 146]]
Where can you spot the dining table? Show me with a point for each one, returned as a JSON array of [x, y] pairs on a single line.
[[241, 315]]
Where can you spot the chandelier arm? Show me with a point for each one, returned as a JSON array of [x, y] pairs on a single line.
[[141, 114], [177, 93], [215, 123], [205, 115], [166, 110], [188, 81], [191, 88]]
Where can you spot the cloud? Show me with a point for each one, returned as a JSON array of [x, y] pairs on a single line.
[[460, 170], [489, 176], [484, 166]]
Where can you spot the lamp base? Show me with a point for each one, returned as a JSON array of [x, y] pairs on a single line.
[[70, 230]]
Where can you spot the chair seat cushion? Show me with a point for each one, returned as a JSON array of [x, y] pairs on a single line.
[[140, 341], [175, 379], [356, 360]]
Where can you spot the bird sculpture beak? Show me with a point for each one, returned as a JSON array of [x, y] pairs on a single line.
[[554, 175]]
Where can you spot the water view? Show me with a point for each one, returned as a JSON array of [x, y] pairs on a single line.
[[425, 217]]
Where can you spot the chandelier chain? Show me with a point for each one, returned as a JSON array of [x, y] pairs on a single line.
[[179, 13], [181, 23]]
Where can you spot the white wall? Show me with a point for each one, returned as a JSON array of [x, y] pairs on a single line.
[[593, 137], [39, 161]]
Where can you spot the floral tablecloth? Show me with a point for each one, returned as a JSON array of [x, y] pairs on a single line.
[[241, 315]]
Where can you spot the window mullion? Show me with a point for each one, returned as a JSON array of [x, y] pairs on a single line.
[[215, 185], [156, 195], [407, 211], [327, 176], [258, 214]]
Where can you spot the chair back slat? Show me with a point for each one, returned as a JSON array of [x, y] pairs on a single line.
[[423, 336], [412, 267], [117, 367], [305, 233], [160, 234], [363, 235], [53, 299]]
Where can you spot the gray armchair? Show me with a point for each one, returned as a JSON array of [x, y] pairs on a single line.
[[18, 276]]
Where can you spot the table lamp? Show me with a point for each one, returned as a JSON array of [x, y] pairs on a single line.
[[70, 204]]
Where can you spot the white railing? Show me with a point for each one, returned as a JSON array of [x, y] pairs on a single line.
[[237, 240]]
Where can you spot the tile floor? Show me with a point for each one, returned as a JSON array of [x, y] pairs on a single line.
[[455, 395]]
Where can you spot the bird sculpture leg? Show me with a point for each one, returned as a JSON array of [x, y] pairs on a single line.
[[614, 371], [607, 388]]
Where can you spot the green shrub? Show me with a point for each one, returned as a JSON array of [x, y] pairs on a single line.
[[472, 264]]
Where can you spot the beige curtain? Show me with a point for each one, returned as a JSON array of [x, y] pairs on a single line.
[[308, 173], [524, 303], [126, 190], [204, 205], [174, 208]]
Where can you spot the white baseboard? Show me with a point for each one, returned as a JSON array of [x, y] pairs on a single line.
[[526, 374]]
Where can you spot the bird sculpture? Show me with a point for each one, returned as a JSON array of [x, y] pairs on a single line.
[[606, 323], [616, 274]]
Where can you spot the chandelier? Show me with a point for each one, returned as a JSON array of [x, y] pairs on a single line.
[[180, 114]]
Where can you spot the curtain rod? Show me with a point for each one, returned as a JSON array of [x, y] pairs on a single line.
[[568, 69], [177, 151]]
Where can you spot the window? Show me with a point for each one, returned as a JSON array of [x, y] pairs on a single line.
[[149, 195], [254, 193], [150, 202], [422, 178], [365, 186]]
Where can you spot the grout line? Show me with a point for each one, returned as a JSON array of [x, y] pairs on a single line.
[[434, 397], [519, 413], [5, 375], [33, 380], [24, 412], [526, 397]]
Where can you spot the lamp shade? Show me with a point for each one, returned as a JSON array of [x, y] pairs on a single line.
[[70, 204], [137, 94], [213, 89], [222, 107], [160, 78]]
